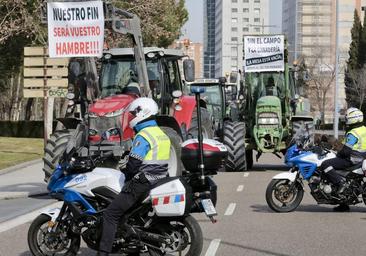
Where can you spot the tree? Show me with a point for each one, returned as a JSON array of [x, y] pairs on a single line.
[[321, 76], [357, 91], [355, 60], [161, 20]]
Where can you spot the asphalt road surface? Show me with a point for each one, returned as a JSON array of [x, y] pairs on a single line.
[[246, 226]]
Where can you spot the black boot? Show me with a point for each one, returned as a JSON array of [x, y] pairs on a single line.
[[341, 208]]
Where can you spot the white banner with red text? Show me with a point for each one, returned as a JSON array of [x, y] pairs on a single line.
[[75, 29]]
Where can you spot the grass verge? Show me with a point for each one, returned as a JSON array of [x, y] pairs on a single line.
[[14, 151]]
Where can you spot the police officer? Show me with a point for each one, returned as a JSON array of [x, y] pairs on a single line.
[[352, 152], [147, 163]]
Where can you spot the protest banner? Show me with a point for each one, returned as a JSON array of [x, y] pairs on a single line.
[[264, 53], [75, 29]]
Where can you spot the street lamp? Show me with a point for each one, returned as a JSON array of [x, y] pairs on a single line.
[[335, 123]]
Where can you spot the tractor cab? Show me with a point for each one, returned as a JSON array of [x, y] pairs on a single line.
[[119, 75]]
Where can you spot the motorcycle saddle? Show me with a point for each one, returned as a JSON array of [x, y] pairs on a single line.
[[347, 170]]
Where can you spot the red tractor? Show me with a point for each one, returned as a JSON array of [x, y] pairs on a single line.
[[119, 86]]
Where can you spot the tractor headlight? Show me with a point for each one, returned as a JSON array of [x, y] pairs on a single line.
[[114, 113], [268, 120]]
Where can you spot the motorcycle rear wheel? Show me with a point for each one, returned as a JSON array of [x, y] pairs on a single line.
[[39, 248], [195, 240], [280, 199]]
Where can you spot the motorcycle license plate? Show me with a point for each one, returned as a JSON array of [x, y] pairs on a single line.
[[208, 207]]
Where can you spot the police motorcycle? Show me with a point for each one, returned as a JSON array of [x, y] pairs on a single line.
[[160, 225], [285, 191]]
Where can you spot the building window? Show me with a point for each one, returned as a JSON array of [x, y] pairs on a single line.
[[245, 19], [257, 1], [234, 29], [246, 10], [257, 29], [245, 1], [257, 20], [234, 9], [234, 39], [234, 20], [257, 10], [234, 1], [245, 29]]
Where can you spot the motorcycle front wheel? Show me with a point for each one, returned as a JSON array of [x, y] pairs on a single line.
[[41, 242], [281, 197], [186, 235]]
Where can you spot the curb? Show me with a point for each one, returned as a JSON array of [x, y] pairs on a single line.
[[19, 166]]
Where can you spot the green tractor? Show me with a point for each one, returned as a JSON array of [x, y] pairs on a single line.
[[273, 112]]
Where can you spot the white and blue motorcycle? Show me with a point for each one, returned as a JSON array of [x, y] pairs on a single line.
[[285, 192], [160, 225]]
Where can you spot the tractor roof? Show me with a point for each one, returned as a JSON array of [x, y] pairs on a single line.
[[129, 51], [205, 82]]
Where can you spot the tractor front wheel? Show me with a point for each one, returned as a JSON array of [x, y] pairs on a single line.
[[54, 149]]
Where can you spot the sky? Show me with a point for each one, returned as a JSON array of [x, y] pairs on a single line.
[[193, 29]]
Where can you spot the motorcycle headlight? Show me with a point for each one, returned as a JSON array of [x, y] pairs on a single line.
[[114, 113]]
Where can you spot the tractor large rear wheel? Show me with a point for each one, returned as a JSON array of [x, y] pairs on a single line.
[[175, 164], [234, 140], [54, 149], [207, 126]]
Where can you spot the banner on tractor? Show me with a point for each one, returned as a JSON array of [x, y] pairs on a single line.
[[264, 53], [75, 29]]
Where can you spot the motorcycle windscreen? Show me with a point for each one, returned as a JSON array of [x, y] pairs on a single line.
[[169, 199]]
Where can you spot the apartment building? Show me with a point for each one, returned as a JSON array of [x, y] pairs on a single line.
[[310, 26], [232, 20]]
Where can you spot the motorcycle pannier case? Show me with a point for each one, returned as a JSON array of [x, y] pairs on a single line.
[[214, 154], [171, 198]]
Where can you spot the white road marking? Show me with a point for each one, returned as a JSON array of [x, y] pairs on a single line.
[[6, 225], [230, 209], [240, 188], [246, 174], [212, 248]]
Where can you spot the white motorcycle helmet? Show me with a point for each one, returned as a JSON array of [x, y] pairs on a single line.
[[141, 109], [354, 116]]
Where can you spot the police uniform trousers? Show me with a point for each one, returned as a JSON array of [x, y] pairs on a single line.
[[329, 166], [133, 192]]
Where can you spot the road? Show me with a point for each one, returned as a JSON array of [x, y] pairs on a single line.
[[246, 226]]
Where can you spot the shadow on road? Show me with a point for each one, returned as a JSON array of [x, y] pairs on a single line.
[[250, 248], [269, 167], [35, 186], [305, 208]]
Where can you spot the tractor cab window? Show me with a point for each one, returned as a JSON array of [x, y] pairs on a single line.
[[172, 76], [154, 78], [266, 84], [118, 76]]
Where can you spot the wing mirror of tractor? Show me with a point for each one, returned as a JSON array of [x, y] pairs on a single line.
[[188, 68]]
